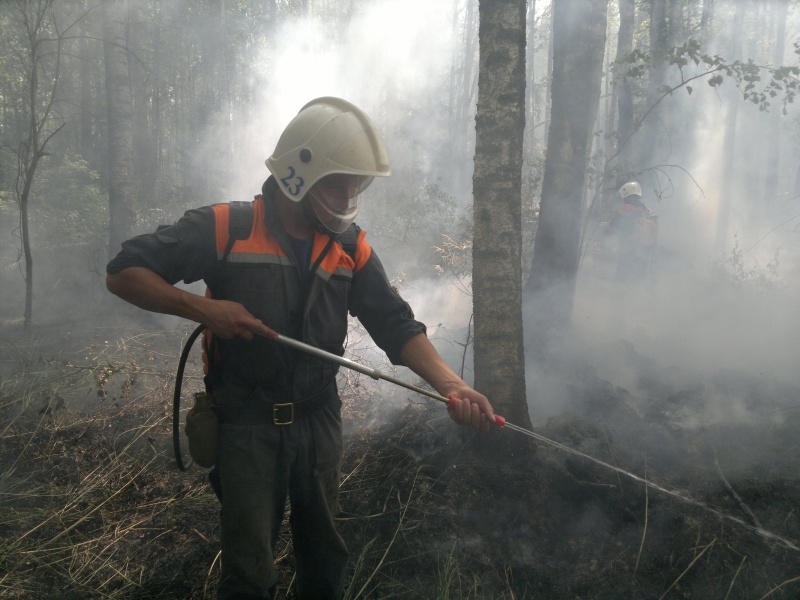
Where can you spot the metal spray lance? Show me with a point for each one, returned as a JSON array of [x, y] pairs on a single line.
[[374, 373], [501, 422]]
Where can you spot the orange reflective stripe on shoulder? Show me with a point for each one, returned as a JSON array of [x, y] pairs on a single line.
[[335, 262], [363, 250], [337, 259], [259, 247], [221, 218], [331, 260]]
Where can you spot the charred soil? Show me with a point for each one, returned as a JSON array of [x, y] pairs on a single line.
[[647, 502]]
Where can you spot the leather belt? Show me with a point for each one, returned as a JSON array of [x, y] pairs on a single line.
[[283, 414], [280, 414]]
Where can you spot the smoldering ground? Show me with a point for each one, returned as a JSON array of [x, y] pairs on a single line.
[[688, 381]]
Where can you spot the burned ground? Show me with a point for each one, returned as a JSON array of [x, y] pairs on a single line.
[[552, 524], [671, 507]]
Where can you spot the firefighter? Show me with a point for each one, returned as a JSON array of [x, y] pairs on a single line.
[[636, 228], [280, 429]]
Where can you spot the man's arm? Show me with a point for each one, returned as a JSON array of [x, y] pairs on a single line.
[[469, 406], [146, 289]]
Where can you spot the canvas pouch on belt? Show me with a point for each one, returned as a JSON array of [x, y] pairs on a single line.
[[202, 430]]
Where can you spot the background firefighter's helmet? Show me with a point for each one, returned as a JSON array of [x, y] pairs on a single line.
[[329, 135], [632, 188]]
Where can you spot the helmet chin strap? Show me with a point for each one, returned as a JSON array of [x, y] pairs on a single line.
[[312, 218]]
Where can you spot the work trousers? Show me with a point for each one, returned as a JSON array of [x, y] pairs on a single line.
[[259, 464]]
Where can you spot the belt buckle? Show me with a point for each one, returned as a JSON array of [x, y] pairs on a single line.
[[276, 419]]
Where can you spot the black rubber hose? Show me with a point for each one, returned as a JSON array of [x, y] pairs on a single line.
[[176, 399]]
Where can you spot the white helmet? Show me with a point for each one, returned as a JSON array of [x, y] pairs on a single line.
[[632, 188], [329, 136]]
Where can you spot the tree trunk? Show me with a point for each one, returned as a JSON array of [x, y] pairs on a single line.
[[462, 96], [675, 28], [119, 100], [548, 91], [26, 240], [727, 175], [37, 26], [497, 189], [579, 34], [707, 20], [28, 159], [145, 178], [158, 89], [87, 118], [627, 12], [659, 32], [772, 167], [530, 75]]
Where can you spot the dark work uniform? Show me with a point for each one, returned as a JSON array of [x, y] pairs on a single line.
[[266, 451]]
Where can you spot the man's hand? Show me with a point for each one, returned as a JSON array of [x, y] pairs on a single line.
[[468, 407], [228, 320]]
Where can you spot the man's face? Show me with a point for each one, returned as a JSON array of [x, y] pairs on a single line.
[[335, 199]]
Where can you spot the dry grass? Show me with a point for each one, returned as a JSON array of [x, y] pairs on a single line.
[[89, 507], [92, 506]]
